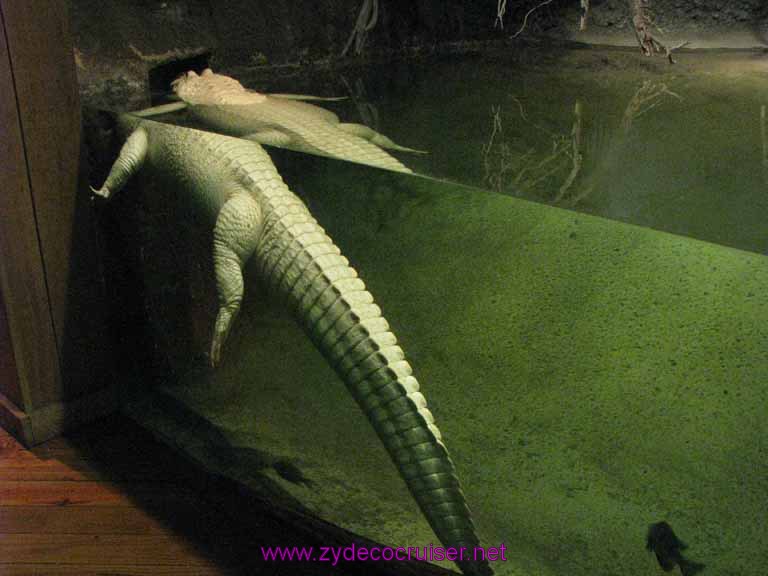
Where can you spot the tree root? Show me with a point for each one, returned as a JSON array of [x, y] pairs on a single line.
[[649, 44]]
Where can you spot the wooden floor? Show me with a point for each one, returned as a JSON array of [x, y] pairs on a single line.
[[106, 501], [112, 501]]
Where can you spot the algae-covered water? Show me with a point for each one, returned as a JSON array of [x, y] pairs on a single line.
[[681, 148], [593, 371]]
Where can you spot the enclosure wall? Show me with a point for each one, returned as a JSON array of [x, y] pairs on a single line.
[[49, 270]]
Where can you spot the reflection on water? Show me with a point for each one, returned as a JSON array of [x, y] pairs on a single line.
[[551, 172], [507, 169], [764, 141], [649, 95], [366, 110], [674, 148]]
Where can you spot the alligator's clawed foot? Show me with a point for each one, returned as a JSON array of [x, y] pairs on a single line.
[[363, 131], [224, 322], [102, 192]]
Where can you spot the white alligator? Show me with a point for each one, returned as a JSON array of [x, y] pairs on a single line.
[[255, 217], [222, 104]]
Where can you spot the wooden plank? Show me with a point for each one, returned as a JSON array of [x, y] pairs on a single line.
[[21, 264], [15, 420], [67, 493], [26, 467], [11, 450], [9, 379], [111, 550], [77, 520], [8, 442], [40, 48], [30, 469], [164, 516], [92, 569]]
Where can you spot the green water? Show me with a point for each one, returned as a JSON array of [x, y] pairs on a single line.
[[678, 148], [681, 148], [590, 376]]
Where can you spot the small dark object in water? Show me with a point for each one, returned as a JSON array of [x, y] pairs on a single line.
[[661, 539]]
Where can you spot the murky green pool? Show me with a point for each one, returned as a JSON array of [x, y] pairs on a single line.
[[590, 376], [680, 148]]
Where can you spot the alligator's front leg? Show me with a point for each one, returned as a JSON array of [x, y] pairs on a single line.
[[131, 159], [235, 237], [377, 138]]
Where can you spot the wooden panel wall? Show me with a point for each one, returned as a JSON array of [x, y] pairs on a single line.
[[9, 379], [21, 264], [50, 269]]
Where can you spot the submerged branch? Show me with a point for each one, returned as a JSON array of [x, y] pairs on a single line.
[[641, 23], [366, 21], [526, 170], [557, 151], [525, 20], [584, 15], [764, 139], [576, 154], [369, 113], [501, 9], [496, 110], [646, 97], [670, 50]]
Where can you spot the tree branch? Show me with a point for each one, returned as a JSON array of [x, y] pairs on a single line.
[[525, 20]]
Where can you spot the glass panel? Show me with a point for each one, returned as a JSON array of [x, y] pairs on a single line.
[[590, 378]]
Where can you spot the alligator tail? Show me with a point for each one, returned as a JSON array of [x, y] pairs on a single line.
[[303, 265]]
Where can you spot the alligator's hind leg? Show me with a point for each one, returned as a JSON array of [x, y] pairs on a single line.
[[235, 237], [269, 138], [307, 97], [130, 161], [363, 131]]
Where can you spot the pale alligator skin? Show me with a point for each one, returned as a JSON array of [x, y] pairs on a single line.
[[221, 104], [255, 216]]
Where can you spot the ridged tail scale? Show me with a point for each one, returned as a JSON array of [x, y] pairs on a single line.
[[301, 263]]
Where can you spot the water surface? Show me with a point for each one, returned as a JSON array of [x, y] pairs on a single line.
[[681, 148]]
